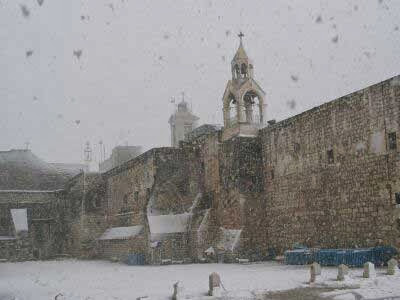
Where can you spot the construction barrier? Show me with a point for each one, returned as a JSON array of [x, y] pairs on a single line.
[[334, 257]]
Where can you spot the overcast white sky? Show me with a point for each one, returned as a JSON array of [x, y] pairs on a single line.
[[136, 55]]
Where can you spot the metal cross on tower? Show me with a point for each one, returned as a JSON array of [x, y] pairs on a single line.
[[241, 35]]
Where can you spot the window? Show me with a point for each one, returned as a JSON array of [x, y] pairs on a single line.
[[187, 128], [397, 198], [237, 73], [392, 141], [330, 156], [296, 147], [243, 70], [136, 196], [272, 174]]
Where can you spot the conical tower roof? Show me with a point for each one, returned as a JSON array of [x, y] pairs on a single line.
[[240, 53]]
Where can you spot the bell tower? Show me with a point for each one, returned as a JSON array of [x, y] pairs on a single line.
[[181, 122], [243, 99]]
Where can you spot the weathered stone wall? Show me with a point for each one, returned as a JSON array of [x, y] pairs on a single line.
[[128, 190], [85, 209], [330, 176], [46, 219], [174, 246], [158, 182], [16, 249], [203, 155], [120, 248]]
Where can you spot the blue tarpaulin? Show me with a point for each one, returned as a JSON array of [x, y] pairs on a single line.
[[334, 257]]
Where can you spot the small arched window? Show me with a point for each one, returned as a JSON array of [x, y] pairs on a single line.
[[243, 70], [237, 73]]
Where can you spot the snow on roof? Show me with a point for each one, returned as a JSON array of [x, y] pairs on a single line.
[[7, 238], [230, 239], [117, 233], [20, 220], [23, 170], [164, 224], [31, 191]]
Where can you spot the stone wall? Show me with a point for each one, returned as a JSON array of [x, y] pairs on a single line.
[[85, 209], [46, 224], [158, 182], [330, 175], [15, 249], [120, 248]]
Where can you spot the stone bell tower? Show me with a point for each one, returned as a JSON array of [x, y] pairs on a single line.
[[243, 100], [182, 122]]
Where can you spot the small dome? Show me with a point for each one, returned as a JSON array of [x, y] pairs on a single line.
[[183, 106]]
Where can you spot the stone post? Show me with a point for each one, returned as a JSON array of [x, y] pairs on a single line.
[[343, 272], [393, 267], [214, 283], [369, 270], [178, 291], [315, 269]]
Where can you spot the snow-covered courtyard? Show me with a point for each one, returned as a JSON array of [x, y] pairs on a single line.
[[102, 280]]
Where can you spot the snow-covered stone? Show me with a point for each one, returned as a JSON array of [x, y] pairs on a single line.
[[178, 291], [217, 292], [214, 281], [393, 267], [369, 270], [343, 272], [315, 269]]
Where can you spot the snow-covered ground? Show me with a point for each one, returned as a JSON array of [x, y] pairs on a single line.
[[102, 280]]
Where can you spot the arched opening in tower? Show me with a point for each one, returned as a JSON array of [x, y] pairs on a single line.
[[253, 108], [232, 110], [236, 72], [243, 70]]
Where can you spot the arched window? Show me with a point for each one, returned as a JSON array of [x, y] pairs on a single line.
[[237, 73], [232, 110], [252, 108], [243, 70]]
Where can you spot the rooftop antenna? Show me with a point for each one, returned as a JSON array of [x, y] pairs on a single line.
[[101, 151], [173, 101], [87, 154]]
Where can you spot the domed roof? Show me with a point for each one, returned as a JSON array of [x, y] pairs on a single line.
[[22, 170], [183, 106]]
